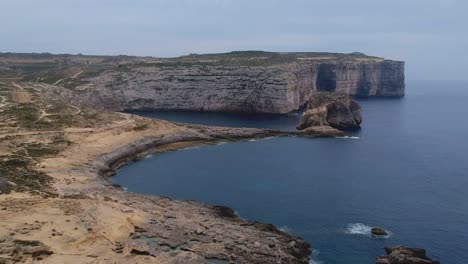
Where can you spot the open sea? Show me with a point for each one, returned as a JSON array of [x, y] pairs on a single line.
[[406, 171]]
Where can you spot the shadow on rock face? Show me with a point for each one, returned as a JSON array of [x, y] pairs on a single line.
[[5, 187]]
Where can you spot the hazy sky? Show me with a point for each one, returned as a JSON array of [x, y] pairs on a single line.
[[430, 35]]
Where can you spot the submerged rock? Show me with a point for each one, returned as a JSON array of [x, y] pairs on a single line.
[[337, 110], [376, 231], [403, 255]]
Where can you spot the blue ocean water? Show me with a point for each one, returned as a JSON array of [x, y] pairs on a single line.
[[407, 173]]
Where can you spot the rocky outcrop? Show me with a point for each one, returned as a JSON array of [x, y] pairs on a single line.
[[376, 231], [337, 110], [321, 131], [261, 82], [402, 255]]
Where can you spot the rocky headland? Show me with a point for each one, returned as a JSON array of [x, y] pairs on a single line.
[[58, 143]]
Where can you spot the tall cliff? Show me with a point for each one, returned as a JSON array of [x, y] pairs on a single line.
[[251, 81]]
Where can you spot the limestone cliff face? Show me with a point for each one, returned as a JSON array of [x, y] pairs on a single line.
[[386, 78], [199, 88], [280, 86]]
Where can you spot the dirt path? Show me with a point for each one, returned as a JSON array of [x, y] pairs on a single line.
[[43, 113], [3, 101], [32, 133], [17, 86], [59, 81], [77, 74], [78, 110]]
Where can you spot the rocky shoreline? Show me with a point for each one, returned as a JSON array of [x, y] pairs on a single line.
[[74, 214], [107, 164], [268, 245]]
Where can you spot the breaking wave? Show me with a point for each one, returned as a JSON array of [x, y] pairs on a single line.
[[362, 229], [285, 229], [349, 137], [314, 257], [358, 229]]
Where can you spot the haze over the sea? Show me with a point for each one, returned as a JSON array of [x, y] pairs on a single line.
[[430, 35]]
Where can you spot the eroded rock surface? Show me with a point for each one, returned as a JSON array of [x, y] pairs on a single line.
[[403, 255], [337, 110]]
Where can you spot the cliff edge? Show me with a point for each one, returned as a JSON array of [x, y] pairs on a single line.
[[247, 81]]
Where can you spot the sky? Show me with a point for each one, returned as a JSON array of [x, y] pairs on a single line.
[[430, 35]]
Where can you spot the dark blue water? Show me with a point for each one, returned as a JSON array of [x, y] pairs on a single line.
[[408, 173], [286, 122]]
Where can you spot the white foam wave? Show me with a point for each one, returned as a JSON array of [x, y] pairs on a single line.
[[257, 139], [237, 214], [314, 261], [349, 137], [362, 229], [285, 229], [314, 257], [358, 229], [190, 148]]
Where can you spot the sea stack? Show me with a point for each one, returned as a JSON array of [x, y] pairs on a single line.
[[336, 110]]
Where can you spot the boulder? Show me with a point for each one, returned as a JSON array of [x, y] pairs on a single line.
[[403, 255], [337, 110], [378, 231]]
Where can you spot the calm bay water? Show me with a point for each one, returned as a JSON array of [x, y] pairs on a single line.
[[407, 173]]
